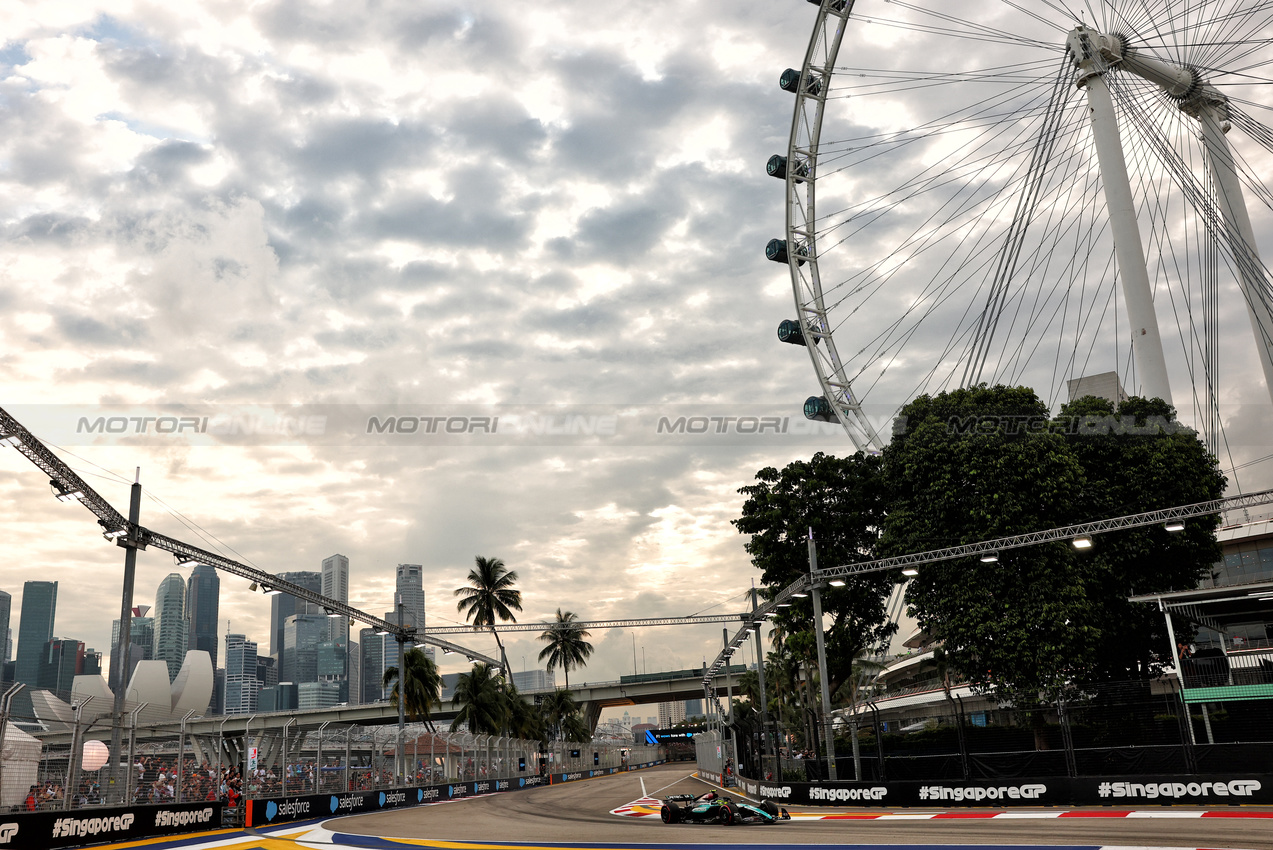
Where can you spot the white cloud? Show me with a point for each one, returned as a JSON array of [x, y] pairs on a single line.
[[279, 203]]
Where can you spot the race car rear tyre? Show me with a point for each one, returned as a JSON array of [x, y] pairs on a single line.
[[670, 814], [727, 815]]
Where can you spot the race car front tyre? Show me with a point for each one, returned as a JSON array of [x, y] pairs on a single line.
[[727, 815], [770, 808]]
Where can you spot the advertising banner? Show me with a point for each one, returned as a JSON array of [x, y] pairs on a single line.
[[272, 810], [48, 830], [1211, 790], [307, 806], [1118, 791], [1013, 792]]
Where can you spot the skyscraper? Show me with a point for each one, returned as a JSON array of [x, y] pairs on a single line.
[[241, 684], [336, 578], [373, 664], [171, 635], [354, 667], [203, 595], [411, 591], [141, 644], [336, 586], [61, 661], [39, 605], [284, 605], [301, 635], [6, 606]]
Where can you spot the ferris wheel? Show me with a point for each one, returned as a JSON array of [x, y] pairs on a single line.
[[1027, 192]]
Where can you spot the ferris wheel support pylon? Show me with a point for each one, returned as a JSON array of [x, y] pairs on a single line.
[[1094, 53], [1240, 234], [1151, 365]]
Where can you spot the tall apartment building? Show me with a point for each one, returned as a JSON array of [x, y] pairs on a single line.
[[671, 713], [241, 684], [203, 602], [39, 607]]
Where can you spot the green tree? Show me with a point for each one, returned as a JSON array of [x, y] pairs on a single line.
[[986, 462], [567, 645], [482, 701], [842, 501], [422, 688], [561, 714], [525, 720], [1137, 457], [490, 596]]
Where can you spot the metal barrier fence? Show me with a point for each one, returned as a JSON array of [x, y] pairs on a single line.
[[1118, 729], [173, 763]]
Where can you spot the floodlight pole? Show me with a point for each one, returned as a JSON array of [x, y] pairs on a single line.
[[402, 688], [729, 700], [129, 543], [828, 732]]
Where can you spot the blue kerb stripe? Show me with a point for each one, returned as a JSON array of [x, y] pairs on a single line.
[[385, 844]]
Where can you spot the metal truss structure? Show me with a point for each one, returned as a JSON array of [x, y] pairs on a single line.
[[601, 624]]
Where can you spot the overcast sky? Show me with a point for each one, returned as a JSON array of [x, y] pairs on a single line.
[[337, 211]]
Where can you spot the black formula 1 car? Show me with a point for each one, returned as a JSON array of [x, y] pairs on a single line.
[[718, 808]]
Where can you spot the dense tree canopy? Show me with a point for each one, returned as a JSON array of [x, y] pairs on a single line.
[[842, 501], [981, 463]]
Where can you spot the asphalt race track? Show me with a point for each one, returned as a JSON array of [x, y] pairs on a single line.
[[580, 813]]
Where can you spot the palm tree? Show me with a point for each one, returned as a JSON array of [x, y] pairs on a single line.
[[561, 713], [490, 596], [483, 705], [525, 721], [566, 645], [423, 685]]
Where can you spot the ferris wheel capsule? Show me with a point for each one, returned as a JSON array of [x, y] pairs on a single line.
[[776, 251], [816, 407], [789, 331], [777, 167], [791, 81]]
